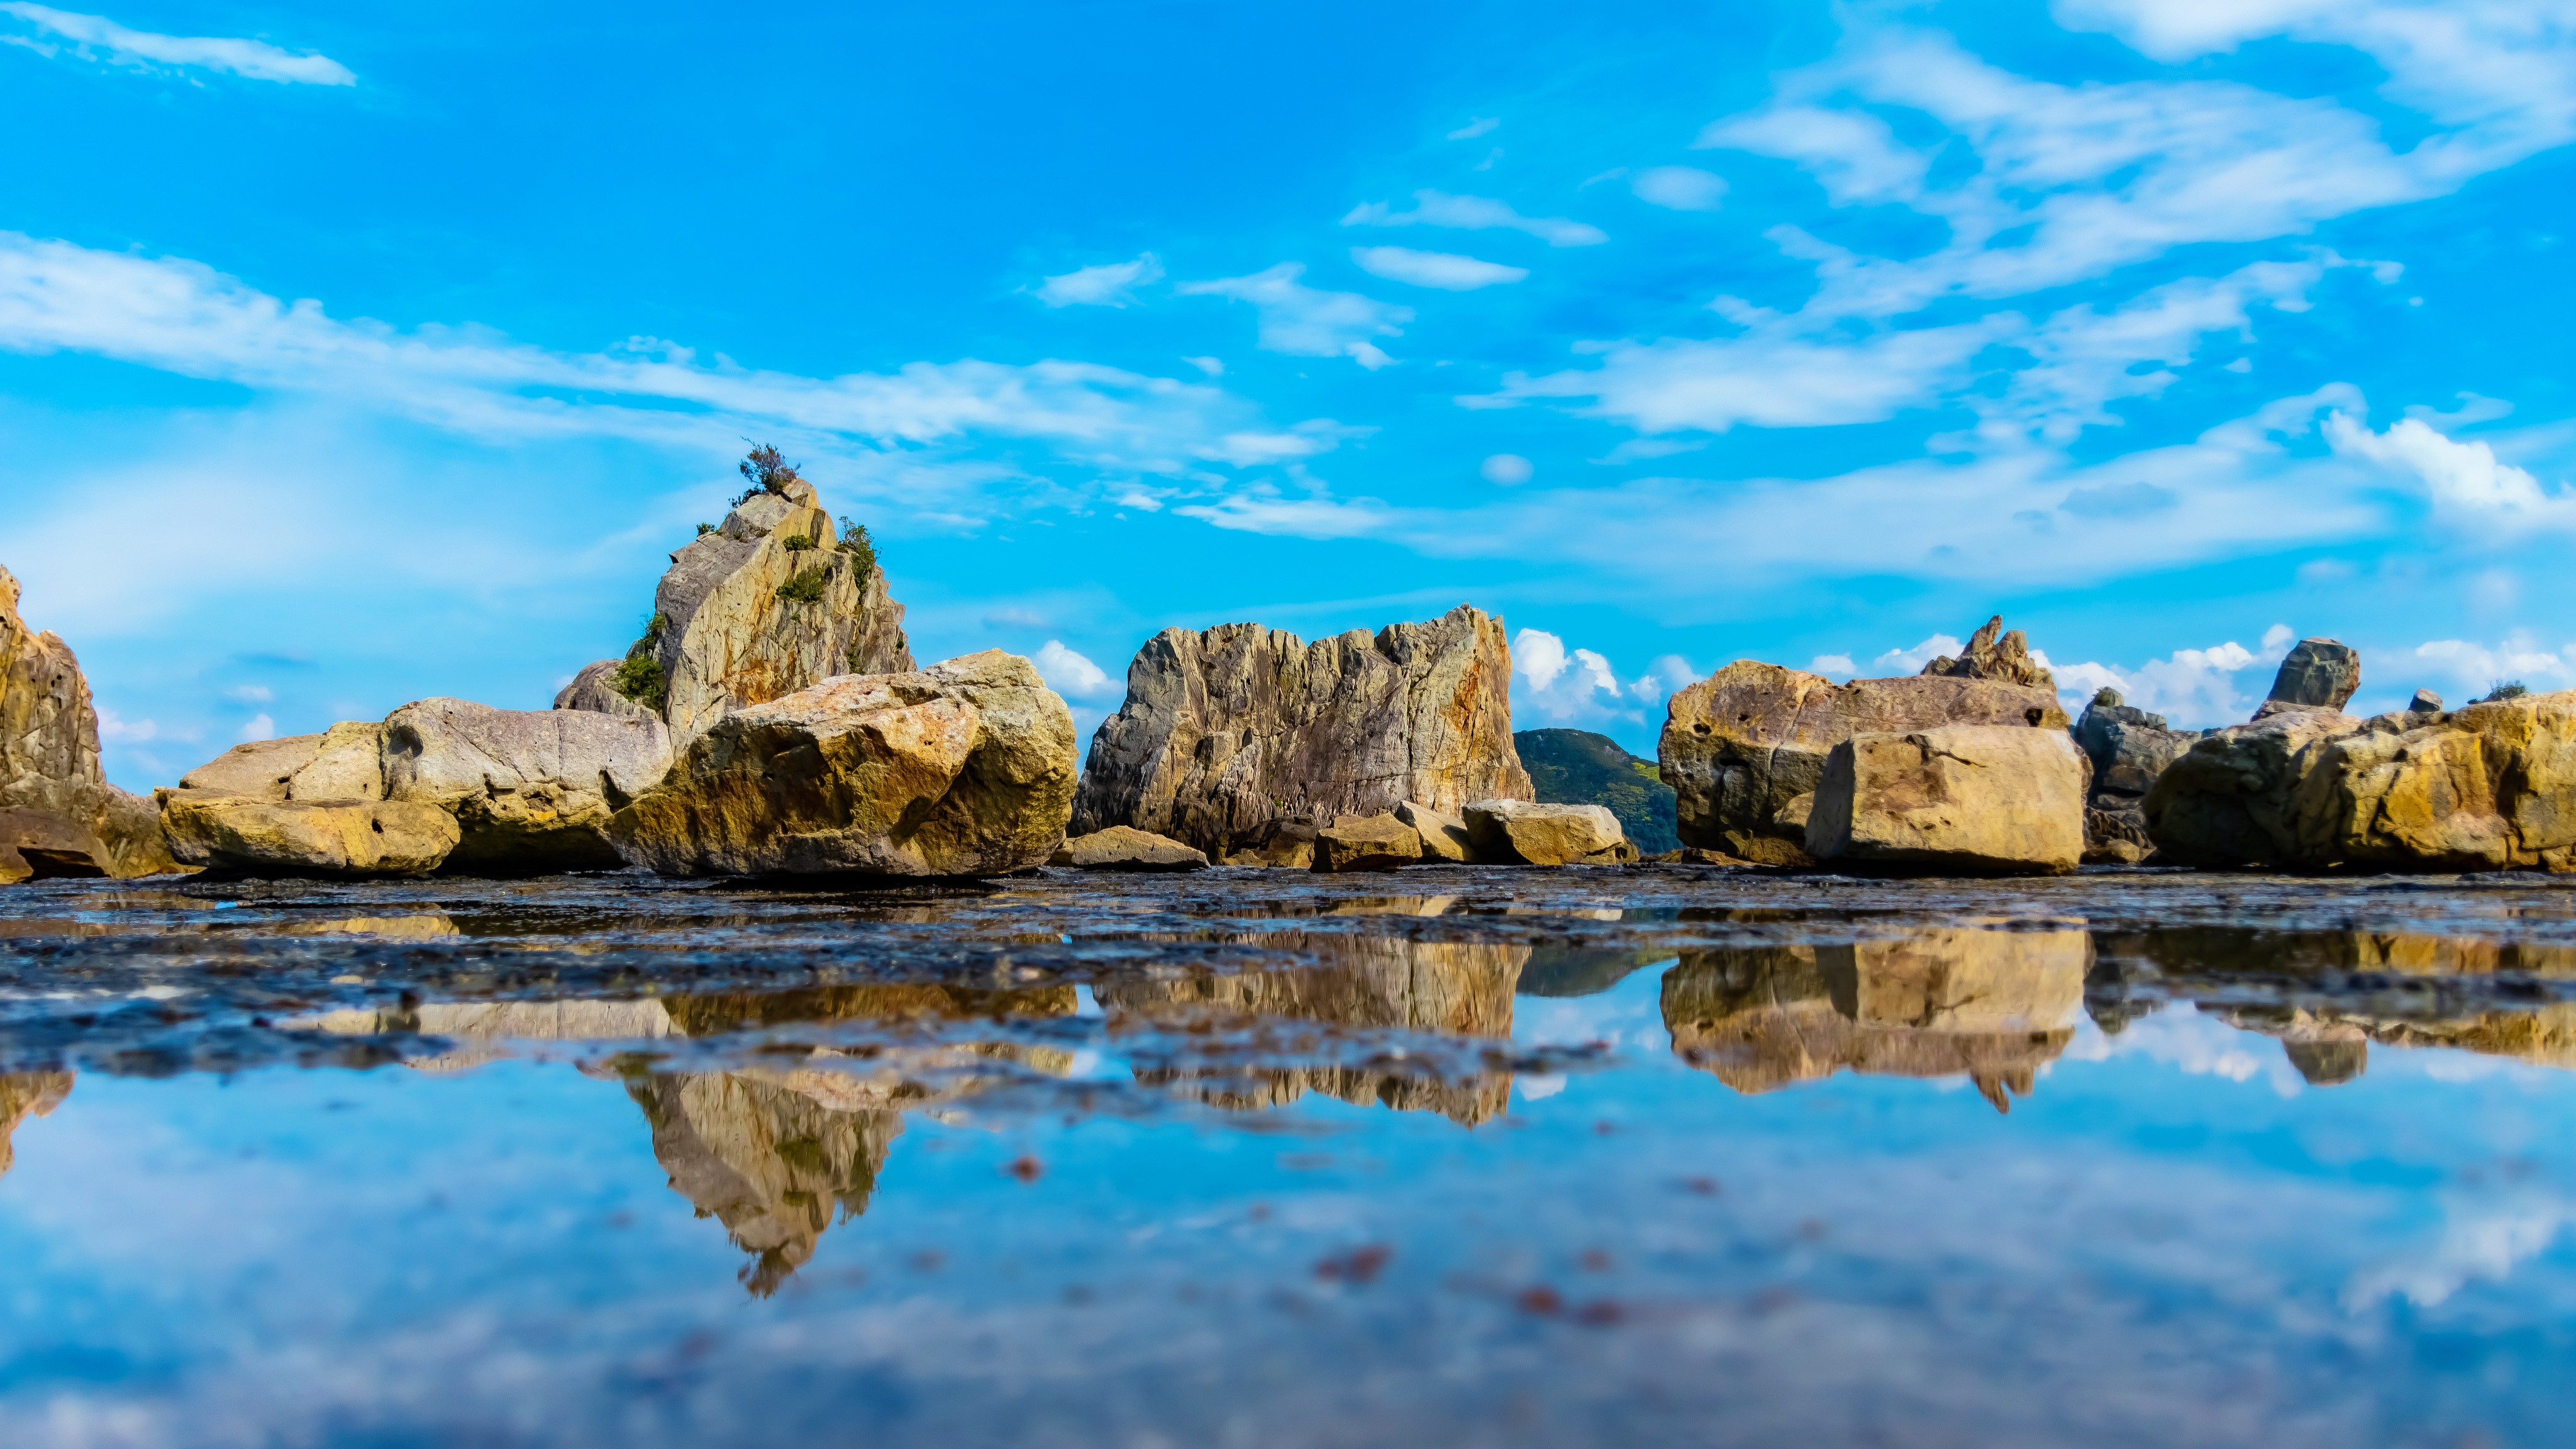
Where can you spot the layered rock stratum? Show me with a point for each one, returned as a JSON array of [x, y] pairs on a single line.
[[58, 814], [1229, 732]]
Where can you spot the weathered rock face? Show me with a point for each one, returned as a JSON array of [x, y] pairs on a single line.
[[1285, 844], [1994, 1005], [1122, 847], [49, 762], [2226, 803], [531, 790], [24, 1095], [1518, 832], [1367, 842], [2488, 787], [724, 637], [2128, 748], [962, 769], [1982, 799], [1745, 748], [272, 837], [2424, 702], [1444, 836], [2318, 673], [1228, 731], [1994, 654]]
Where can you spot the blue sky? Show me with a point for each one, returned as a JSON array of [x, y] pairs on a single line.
[[348, 358]]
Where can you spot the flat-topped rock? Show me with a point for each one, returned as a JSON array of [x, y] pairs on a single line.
[[1367, 842], [1522, 832], [1972, 799], [1123, 847], [962, 769], [531, 789], [253, 836]]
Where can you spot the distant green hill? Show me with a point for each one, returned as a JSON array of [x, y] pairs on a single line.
[[1577, 767]]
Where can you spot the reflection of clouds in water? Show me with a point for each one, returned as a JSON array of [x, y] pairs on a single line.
[[2179, 1036], [2487, 1243]]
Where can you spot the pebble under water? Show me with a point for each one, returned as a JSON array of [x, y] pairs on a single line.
[[1245, 1158]]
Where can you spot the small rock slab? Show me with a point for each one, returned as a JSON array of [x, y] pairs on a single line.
[[1124, 847], [1367, 842], [279, 837], [1444, 836], [1522, 833], [1974, 799]]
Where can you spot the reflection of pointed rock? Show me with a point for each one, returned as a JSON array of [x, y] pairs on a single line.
[[774, 1163], [2329, 1046], [1993, 1005], [24, 1095], [1381, 983]]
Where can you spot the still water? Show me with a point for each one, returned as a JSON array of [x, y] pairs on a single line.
[[1647, 1156]]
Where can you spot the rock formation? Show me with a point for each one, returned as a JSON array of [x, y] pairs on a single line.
[[2317, 674], [1992, 1005], [1122, 847], [1516, 832], [2226, 802], [2128, 749], [1980, 799], [2424, 702], [24, 1095], [1367, 842], [770, 603], [252, 836], [1988, 656], [531, 790], [1745, 748], [962, 769], [1578, 767], [1444, 836], [58, 814], [1228, 732]]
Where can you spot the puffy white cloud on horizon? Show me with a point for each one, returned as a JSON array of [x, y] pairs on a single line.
[[144, 49], [2465, 481], [1911, 661], [2472, 669], [258, 727], [2191, 688], [1069, 673], [1446, 271], [1110, 284], [1304, 321], [1679, 188], [1476, 213], [1579, 687]]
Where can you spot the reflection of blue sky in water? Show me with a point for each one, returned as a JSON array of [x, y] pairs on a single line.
[[2170, 1230]]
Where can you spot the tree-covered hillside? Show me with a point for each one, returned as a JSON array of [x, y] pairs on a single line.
[[1577, 767]]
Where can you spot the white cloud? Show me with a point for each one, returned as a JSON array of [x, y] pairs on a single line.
[[1307, 322], [1110, 284], [2482, 1242], [2191, 688], [2278, 639], [1445, 270], [1578, 686], [1833, 664], [117, 729], [142, 49], [183, 317], [1477, 127], [250, 694], [1262, 508], [1212, 366], [1507, 469], [1069, 673], [1476, 213], [259, 727], [1682, 188], [1911, 661], [2464, 480], [2470, 669], [1775, 380]]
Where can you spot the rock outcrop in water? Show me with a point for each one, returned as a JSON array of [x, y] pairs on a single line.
[[2128, 749], [58, 814], [1226, 733], [1992, 1005], [1516, 832], [1994, 654], [531, 790], [1745, 748], [766, 605], [1981, 799], [962, 769], [1123, 847]]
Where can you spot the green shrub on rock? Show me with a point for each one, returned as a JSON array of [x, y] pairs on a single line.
[[806, 587]]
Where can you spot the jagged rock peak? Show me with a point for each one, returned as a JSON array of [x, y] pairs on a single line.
[[1994, 653], [58, 814], [1230, 731]]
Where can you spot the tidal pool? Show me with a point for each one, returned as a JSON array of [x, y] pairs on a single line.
[[1450, 1156]]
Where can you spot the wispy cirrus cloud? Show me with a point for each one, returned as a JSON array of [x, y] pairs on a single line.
[[1476, 213], [1110, 284], [97, 37], [1446, 271], [1307, 321]]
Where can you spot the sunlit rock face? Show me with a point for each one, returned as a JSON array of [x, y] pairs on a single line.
[[1972, 799], [1745, 748], [1226, 733], [1994, 652], [24, 1095], [1991, 1005], [1366, 983], [962, 769], [58, 814], [531, 789]]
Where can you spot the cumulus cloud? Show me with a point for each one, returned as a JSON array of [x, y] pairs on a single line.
[[1476, 213], [1507, 469], [1069, 673], [1833, 664], [2469, 669], [1445, 270], [1911, 661], [1307, 322], [1682, 188], [258, 727], [1110, 284], [97, 37], [1578, 686], [2191, 688], [2465, 481]]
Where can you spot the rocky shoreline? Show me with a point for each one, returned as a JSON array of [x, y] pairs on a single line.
[[770, 722]]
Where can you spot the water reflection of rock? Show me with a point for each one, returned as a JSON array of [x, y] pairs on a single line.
[[24, 1095], [1992, 1005], [1368, 982]]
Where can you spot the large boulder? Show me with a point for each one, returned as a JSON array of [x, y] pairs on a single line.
[[2128, 748], [1994, 654], [1745, 748], [1982, 799], [49, 765], [766, 605], [1367, 842], [2491, 786], [249, 835], [962, 769], [2227, 802], [1517, 832], [1227, 732], [531, 790], [2317, 674], [1122, 847]]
